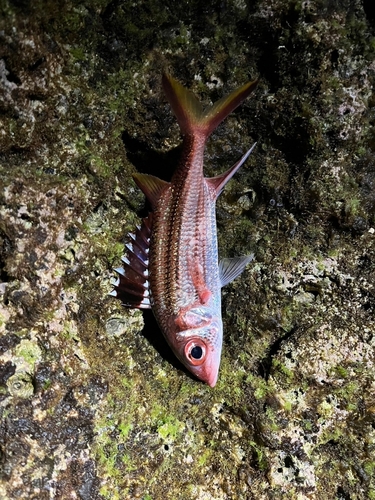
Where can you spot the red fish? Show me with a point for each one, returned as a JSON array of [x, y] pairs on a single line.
[[172, 262]]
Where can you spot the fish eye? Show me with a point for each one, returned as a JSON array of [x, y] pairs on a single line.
[[195, 351]]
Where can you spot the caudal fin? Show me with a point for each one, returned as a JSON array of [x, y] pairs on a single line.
[[191, 116]]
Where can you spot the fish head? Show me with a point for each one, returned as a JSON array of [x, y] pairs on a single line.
[[198, 344]]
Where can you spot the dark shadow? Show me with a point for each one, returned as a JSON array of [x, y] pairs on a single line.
[[149, 161], [153, 334], [369, 8], [265, 364]]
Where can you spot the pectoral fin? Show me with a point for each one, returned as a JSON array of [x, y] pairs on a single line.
[[229, 269]]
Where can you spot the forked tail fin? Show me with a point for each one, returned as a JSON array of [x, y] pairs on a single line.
[[191, 116]]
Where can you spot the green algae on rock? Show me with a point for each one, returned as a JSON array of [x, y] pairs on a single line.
[[293, 413]]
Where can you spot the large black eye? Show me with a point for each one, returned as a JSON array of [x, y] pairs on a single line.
[[196, 352]]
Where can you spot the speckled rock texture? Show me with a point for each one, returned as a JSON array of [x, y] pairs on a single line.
[[93, 404]]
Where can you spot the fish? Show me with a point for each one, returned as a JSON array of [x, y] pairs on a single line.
[[171, 265]]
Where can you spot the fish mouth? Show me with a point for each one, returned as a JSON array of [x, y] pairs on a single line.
[[209, 375], [212, 380]]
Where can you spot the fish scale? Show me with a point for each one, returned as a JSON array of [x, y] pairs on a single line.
[[172, 265]]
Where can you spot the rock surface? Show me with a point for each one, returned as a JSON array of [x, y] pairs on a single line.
[[93, 405]]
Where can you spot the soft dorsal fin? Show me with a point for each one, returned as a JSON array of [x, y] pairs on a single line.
[[218, 182], [151, 186], [229, 269], [191, 116]]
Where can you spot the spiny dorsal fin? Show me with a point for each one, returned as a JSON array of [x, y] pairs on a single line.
[[218, 182], [229, 269], [132, 284], [191, 116], [151, 186]]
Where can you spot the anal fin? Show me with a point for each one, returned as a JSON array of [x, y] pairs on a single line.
[[220, 180]]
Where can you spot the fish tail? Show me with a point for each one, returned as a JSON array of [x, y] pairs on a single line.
[[191, 116]]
